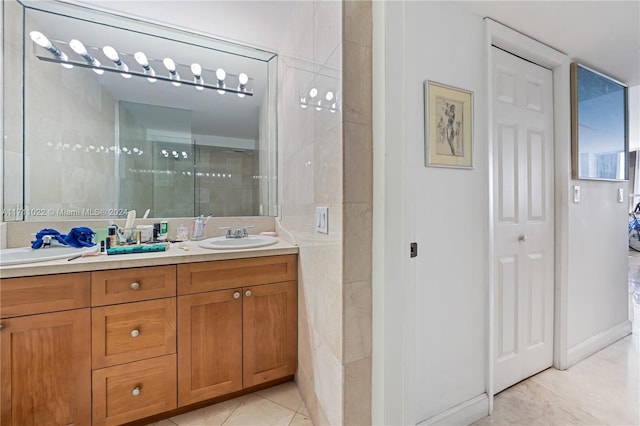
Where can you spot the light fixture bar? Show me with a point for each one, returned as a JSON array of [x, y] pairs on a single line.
[[226, 88]]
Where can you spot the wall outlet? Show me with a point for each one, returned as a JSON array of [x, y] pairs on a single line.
[[620, 195], [322, 220], [576, 193]]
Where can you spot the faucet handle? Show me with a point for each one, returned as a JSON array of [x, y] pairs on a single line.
[[228, 229], [244, 230]]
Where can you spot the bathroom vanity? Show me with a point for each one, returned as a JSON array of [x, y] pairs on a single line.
[[108, 341]]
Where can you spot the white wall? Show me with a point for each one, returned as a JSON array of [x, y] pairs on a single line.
[[451, 208], [446, 212]]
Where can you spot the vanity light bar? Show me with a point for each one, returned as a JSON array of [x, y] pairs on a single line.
[[327, 102], [222, 84]]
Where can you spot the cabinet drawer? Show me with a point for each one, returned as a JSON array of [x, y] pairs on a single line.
[[50, 293], [226, 274], [132, 285], [133, 391], [133, 331]]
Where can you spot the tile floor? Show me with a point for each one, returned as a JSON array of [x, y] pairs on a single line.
[[604, 389], [280, 405]]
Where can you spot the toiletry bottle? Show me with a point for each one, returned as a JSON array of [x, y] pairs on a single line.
[[164, 230], [197, 229]]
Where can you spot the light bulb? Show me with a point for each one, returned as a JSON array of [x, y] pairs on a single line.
[[313, 92], [329, 95], [141, 58], [220, 75], [81, 50], [243, 79], [169, 64], [40, 39], [78, 47], [111, 53], [196, 69], [171, 67]]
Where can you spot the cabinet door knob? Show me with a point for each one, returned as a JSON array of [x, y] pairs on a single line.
[[135, 286], [522, 238], [135, 391], [236, 295], [135, 333], [248, 293], [1, 327]]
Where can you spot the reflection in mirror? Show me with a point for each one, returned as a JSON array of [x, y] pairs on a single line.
[[121, 114], [599, 125]]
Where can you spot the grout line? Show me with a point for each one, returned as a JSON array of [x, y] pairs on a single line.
[[244, 398]]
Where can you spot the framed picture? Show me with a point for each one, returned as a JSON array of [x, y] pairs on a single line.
[[448, 126], [599, 130]]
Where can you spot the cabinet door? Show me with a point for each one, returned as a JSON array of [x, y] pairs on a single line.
[[209, 345], [46, 369], [270, 332]]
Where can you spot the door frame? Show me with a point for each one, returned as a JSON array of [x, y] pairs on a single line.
[[532, 50]]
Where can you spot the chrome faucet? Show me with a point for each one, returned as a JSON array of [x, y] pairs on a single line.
[[46, 241], [240, 232]]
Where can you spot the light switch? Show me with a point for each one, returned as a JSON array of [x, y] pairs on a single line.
[[620, 195], [576, 193], [322, 220]]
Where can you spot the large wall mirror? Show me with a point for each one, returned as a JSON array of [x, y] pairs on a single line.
[[119, 114]]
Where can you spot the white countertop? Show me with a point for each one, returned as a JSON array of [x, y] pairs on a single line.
[[172, 256]]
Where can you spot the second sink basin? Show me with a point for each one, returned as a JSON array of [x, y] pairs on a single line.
[[252, 241], [22, 255]]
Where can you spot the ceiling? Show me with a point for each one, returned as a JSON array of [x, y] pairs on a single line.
[[603, 35]]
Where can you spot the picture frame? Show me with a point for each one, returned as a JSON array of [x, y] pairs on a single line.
[[599, 126], [448, 126]]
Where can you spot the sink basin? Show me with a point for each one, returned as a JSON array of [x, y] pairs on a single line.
[[17, 256], [252, 241]]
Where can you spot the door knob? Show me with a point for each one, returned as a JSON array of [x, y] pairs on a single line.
[[522, 238], [248, 293], [236, 295]]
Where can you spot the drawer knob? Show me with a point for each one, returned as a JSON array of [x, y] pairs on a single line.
[[135, 286], [236, 295], [248, 293], [135, 333], [135, 391]]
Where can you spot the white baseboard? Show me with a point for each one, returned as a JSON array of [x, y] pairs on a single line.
[[462, 414], [592, 345]]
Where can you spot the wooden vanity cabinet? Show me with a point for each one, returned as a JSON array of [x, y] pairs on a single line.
[[45, 351], [239, 336], [133, 343]]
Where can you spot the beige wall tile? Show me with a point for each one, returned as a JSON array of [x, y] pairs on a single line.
[[356, 100], [357, 247], [357, 321], [358, 163], [357, 21], [357, 392]]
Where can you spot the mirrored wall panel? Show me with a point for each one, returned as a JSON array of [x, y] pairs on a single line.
[[121, 114]]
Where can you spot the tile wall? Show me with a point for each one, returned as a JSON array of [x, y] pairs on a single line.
[[326, 160]]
